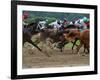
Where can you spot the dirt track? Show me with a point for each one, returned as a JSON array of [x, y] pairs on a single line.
[[32, 58]]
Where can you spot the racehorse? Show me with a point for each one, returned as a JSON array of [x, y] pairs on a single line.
[[77, 28], [28, 31], [57, 36], [50, 37], [67, 29], [75, 34], [31, 29]]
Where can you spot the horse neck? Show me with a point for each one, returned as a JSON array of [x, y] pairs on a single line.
[[34, 27]]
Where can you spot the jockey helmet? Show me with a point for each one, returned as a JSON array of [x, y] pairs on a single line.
[[25, 15], [59, 22], [85, 19]]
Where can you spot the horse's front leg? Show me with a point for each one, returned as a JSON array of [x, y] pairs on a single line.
[[78, 47], [49, 43], [74, 43], [30, 41], [45, 49]]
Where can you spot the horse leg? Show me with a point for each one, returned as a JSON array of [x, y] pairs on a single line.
[[44, 48], [30, 41], [84, 49], [78, 48], [87, 49], [74, 43], [50, 45], [61, 49], [23, 42]]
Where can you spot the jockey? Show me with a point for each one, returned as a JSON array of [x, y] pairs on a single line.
[[25, 29], [81, 24], [24, 17], [41, 25], [71, 23], [65, 23], [56, 25], [87, 22]]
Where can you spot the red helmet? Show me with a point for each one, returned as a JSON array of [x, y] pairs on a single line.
[[25, 15]]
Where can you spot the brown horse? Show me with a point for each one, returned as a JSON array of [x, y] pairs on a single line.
[[75, 34], [84, 39]]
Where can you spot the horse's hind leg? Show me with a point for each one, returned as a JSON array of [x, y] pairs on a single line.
[[61, 50], [30, 41], [73, 46], [62, 47], [78, 48], [23, 42], [86, 48]]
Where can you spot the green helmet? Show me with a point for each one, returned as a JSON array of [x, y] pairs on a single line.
[[85, 19]]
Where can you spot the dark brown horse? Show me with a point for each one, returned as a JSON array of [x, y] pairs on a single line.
[[28, 31], [56, 36], [51, 36]]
